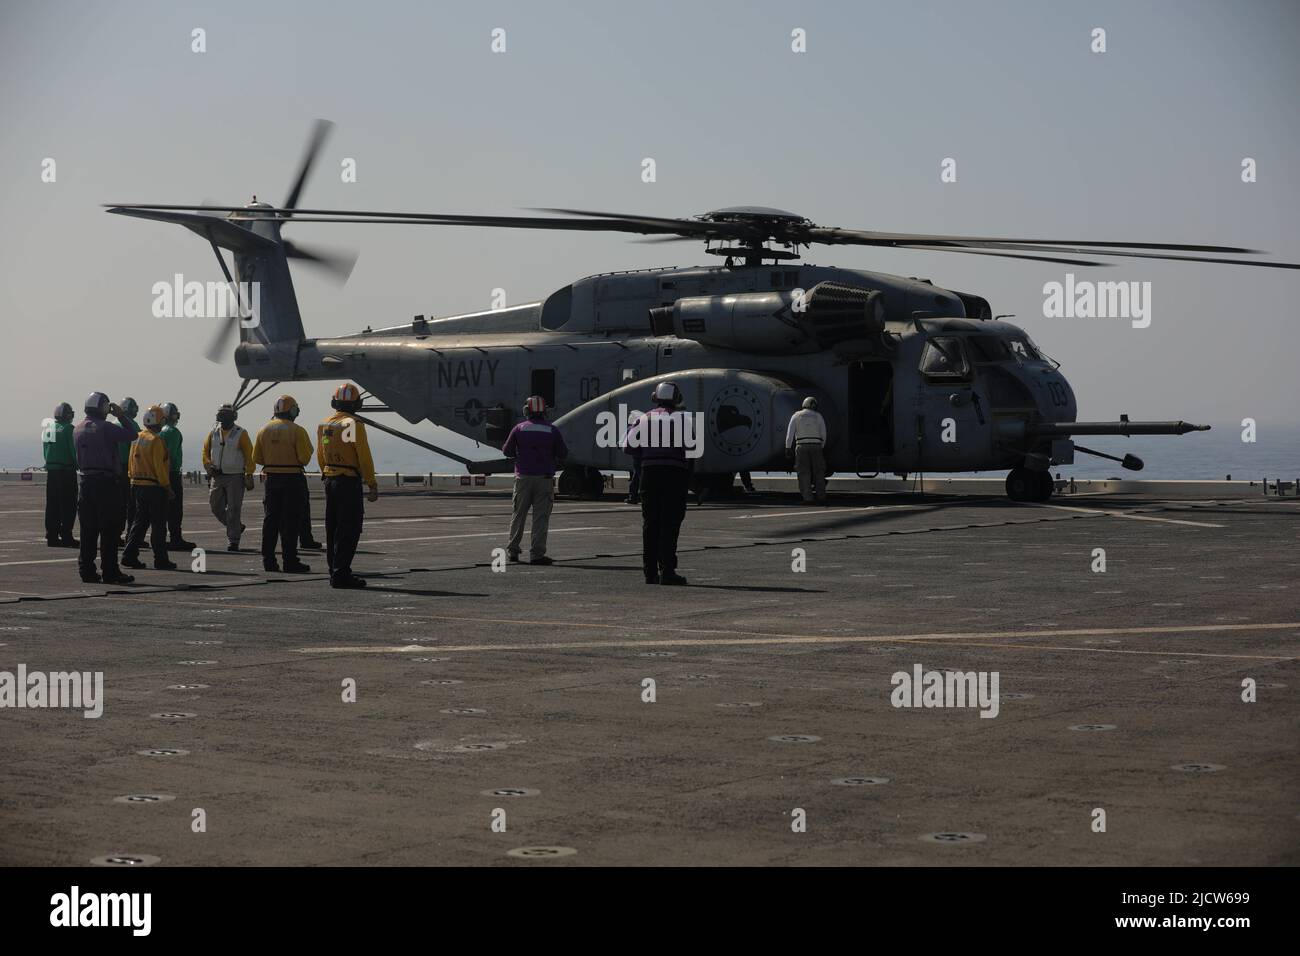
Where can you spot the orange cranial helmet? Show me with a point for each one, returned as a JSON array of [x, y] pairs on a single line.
[[286, 406], [347, 398]]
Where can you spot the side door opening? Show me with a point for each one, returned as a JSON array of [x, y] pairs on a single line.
[[871, 410]]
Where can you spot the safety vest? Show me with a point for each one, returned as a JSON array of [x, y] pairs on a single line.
[[225, 452]]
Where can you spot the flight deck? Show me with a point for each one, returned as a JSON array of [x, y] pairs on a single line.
[[743, 719]]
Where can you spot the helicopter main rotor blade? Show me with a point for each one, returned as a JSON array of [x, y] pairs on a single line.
[[443, 219], [835, 236], [319, 131], [787, 233], [1261, 263], [1007, 255]]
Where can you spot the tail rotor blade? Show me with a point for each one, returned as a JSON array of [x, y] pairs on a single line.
[[338, 264], [218, 349], [318, 134]]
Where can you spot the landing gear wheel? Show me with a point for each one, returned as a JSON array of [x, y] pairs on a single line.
[[593, 484], [713, 487], [1026, 485], [572, 481], [1045, 486], [1021, 484]]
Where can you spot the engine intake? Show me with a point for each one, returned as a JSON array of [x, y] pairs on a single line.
[[771, 323]]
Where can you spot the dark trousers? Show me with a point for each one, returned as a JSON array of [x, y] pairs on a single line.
[[663, 506], [150, 516], [344, 511], [99, 507], [304, 525], [175, 508], [282, 515], [634, 480], [60, 504]]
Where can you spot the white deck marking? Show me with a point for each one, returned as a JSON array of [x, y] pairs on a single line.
[[827, 510], [503, 534], [724, 637], [1125, 514]]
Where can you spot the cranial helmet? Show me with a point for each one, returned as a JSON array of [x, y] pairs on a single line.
[[226, 415], [130, 406], [667, 393], [286, 406], [97, 404], [535, 405], [347, 398], [810, 402], [154, 417], [63, 412], [171, 412]]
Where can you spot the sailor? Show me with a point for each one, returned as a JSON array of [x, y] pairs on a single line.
[[130, 408], [171, 435], [343, 452], [537, 448], [60, 478], [149, 470], [99, 498], [228, 460], [665, 482], [283, 449], [805, 440]]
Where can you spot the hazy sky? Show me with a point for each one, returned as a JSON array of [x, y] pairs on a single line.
[[1142, 142]]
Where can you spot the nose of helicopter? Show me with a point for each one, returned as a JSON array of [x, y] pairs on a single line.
[[1054, 396]]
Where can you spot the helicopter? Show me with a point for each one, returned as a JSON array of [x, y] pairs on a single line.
[[910, 377]]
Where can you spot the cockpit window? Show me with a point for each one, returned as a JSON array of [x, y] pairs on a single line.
[[1024, 350], [943, 358], [998, 348], [988, 348]]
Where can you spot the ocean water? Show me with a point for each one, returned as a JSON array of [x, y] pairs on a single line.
[[1205, 455], [1215, 454]]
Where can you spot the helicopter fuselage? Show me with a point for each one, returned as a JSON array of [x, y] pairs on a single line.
[[925, 387]]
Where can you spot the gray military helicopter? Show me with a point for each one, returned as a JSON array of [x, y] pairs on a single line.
[[911, 377]]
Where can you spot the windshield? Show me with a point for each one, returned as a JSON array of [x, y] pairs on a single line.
[[999, 348]]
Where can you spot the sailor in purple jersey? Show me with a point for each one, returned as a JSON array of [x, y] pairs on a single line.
[[99, 499], [537, 448]]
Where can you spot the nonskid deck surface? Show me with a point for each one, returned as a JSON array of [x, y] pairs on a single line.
[[525, 691]]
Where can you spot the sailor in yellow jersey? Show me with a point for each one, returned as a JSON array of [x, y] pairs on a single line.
[[149, 469], [283, 449], [345, 461]]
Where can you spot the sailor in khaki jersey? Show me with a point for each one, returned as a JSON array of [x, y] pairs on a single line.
[[282, 449], [228, 460], [344, 455], [149, 470]]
